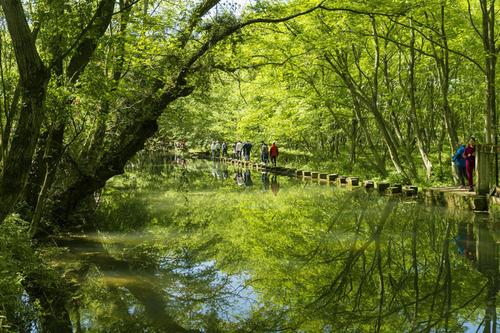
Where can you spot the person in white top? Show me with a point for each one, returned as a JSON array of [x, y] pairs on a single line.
[[212, 149], [239, 148]]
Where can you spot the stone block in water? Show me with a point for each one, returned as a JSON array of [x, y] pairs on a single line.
[[410, 191], [332, 177], [342, 180], [382, 186], [480, 203], [353, 181]]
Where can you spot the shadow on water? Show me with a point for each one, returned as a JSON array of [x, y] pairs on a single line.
[[197, 246]]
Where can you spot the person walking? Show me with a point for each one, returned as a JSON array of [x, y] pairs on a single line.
[[212, 149], [264, 153], [239, 147], [273, 152], [224, 149], [217, 149], [247, 147], [470, 160], [459, 161]]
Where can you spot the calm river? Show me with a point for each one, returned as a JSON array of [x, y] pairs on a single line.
[[197, 246]]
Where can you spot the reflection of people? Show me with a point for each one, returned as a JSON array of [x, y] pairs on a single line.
[[470, 156], [239, 177], [216, 170], [460, 238], [265, 181], [273, 152], [470, 243], [247, 178], [275, 186], [465, 241], [459, 161], [225, 173]]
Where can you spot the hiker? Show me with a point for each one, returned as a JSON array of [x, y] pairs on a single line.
[[217, 149], [224, 149], [459, 161], [264, 153], [273, 152], [247, 146], [239, 147], [212, 149], [470, 160]]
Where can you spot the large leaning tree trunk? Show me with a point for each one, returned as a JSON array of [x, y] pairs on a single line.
[[34, 77]]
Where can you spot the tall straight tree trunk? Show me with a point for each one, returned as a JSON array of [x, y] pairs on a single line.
[[413, 109], [443, 69], [489, 45], [354, 140], [379, 161], [393, 152]]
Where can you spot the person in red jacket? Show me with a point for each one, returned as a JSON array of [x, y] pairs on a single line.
[[470, 159], [273, 153]]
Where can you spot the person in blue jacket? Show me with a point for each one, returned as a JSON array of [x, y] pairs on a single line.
[[459, 161]]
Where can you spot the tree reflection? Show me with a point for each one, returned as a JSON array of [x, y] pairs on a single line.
[[314, 259]]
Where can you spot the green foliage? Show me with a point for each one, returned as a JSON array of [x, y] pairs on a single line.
[[278, 85]]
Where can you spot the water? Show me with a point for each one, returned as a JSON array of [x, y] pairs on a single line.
[[199, 246]]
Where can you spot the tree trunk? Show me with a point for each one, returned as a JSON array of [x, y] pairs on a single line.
[[413, 109], [34, 78], [489, 45]]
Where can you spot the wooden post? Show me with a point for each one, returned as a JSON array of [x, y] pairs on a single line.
[[483, 169]]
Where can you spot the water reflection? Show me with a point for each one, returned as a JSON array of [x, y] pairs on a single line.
[[265, 181], [212, 257], [275, 186]]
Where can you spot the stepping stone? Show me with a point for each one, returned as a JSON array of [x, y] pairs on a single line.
[[353, 181], [383, 186], [480, 203], [342, 180], [410, 191], [369, 184], [332, 177]]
